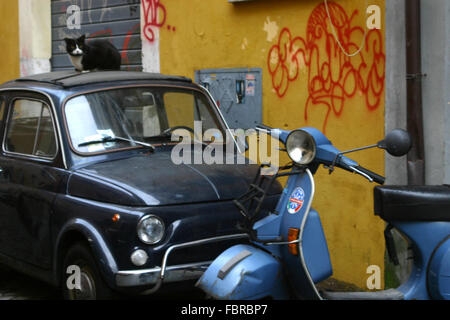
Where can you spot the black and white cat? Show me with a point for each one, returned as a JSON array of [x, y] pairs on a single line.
[[95, 55]]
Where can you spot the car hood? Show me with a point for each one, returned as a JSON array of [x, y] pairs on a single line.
[[153, 179]]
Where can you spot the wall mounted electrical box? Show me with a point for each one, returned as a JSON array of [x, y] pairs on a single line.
[[237, 92]]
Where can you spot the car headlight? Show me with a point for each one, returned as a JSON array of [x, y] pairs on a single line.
[[301, 147], [150, 229]]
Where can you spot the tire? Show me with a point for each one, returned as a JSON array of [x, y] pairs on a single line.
[[93, 287]]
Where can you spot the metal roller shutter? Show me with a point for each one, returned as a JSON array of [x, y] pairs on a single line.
[[114, 20]]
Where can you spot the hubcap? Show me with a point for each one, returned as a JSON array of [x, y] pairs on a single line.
[[87, 290]]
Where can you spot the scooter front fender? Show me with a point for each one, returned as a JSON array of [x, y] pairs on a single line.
[[244, 272]]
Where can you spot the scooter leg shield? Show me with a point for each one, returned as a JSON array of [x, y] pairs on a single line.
[[244, 272]]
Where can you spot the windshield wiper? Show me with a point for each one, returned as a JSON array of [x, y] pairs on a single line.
[[115, 139], [167, 135]]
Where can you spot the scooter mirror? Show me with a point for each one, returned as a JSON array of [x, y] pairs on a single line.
[[397, 143]]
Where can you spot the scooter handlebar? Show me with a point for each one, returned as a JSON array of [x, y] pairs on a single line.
[[374, 176], [264, 128]]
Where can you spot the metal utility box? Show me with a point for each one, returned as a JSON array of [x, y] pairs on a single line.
[[237, 92]]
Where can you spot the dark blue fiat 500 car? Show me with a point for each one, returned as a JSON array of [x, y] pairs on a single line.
[[90, 198]]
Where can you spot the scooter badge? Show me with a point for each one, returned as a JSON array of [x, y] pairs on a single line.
[[296, 200]]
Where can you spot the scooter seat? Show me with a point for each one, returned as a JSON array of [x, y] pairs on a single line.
[[412, 203]]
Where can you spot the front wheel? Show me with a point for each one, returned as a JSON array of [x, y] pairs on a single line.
[[81, 279]]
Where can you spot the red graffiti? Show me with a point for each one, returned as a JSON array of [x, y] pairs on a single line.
[[333, 76], [101, 33], [126, 43], [283, 61], [154, 15]]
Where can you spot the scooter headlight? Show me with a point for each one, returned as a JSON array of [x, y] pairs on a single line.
[[150, 229], [301, 147]]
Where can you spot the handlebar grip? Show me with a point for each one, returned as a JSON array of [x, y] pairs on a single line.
[[264, 128], [376, 177]]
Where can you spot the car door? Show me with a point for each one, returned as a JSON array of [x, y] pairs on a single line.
[[29, 177]]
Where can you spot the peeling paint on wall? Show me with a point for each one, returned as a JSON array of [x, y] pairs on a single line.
[[271, 28], [244, 44]]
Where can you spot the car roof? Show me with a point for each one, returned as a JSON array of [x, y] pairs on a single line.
[[69, 78]]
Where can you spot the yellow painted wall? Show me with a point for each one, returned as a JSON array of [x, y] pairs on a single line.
[[199, 34], [9, 40]]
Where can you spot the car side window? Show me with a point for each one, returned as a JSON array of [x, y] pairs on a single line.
[[31, 130]]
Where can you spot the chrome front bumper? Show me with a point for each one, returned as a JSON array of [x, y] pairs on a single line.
[[134, 278], [158, 275]]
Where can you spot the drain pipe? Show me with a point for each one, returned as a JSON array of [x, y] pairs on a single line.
[[416, 157]]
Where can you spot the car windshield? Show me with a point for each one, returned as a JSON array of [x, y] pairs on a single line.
[[135, 117]]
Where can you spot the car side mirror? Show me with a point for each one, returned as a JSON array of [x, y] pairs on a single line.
[[397, 142]]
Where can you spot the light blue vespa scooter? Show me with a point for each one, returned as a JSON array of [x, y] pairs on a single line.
[[289, 254]]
